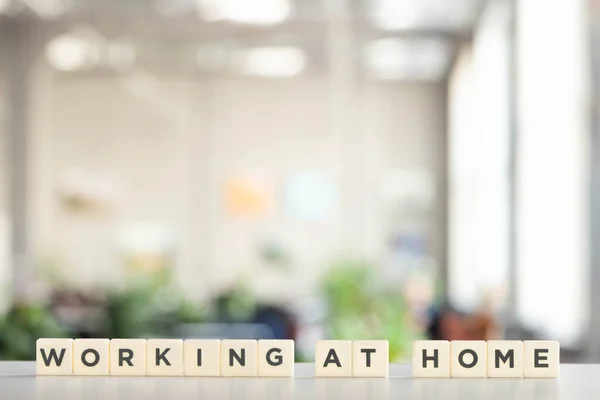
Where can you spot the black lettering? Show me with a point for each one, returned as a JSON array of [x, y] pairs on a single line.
[[125, 355], [84, 357], [433, 358], [277, 360], [368, 352], [162, 356], [537, 357], [240, 358], [53, 356], [509, 356], [461, 360], [199, 357], [332, 358]]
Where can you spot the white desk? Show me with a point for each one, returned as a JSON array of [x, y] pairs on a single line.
[[18, 381]]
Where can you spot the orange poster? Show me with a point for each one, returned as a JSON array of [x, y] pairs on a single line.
[[249, 197]]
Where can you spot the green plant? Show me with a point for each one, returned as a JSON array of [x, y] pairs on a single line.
[[361, 306], [21, 326], [148, 306]]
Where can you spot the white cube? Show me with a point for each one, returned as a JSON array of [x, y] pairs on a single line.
[[127, 357], [239, 358], [370, 358], [164, 357], [276, 358], [505, 359], [541, 359], [54, 356], [333, 358], [202, 357], [90, 357], [468, 359], [431, 359]]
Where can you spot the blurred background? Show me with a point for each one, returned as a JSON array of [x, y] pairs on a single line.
[[305, 169]]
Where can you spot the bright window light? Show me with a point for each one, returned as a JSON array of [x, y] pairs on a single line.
[[71, 52], [421, 14], [4, 6], [255, 12], [479, 160], [553, 177], [49, 8], [399, 14], [417, 59], [271, 62]]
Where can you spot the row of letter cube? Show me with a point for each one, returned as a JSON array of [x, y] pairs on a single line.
[[165, 357], [174, 357], [480, 359]]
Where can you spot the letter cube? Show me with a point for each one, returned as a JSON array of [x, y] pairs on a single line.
[[128, 357], [276, 358], [370, 358], [333, 358], [541, 359], [505, 359], [431, 359], [239, 358], [202, 357], [90, 357], [164, 357], [468, 358], [54, 356]]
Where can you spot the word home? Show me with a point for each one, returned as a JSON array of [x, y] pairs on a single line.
[[165, 357], [481, 359]]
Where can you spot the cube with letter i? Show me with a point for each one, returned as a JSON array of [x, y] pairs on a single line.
[[202, 357]]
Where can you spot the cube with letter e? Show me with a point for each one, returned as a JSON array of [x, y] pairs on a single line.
[[541, 359]]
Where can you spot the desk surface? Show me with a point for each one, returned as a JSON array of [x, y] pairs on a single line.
[[18, 381]]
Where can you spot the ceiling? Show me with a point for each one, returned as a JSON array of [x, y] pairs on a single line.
[[393, 39]]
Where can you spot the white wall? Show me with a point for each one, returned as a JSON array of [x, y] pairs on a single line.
[[172, 141]]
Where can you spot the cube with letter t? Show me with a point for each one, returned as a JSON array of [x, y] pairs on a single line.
[[370, 358]]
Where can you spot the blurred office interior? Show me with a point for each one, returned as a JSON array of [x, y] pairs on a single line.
[[306, 169]]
